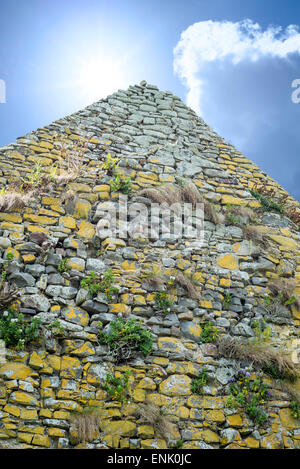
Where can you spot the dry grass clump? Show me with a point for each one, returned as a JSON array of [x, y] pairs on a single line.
[[251, 232], [290, 390], [40, 180], [293, 213], [155, 282], [283, 201], [71, 156], [284, 288], [212, 214], [14, 200], [8, 294], [154, 278], [38, 237], [241, 211], [86, 424], [259, 354], [166, 193], [70, 197], [238, 215], [153, 415], [190, 193], [64, 176], [172, 194], [184, 282]]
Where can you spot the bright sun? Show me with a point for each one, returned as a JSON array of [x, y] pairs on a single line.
[[97, 77]]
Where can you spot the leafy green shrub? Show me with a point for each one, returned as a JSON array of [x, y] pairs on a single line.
[[272, 370], [95, 284], [121, 183], [56, 328], [63, 266], [280, 296], [227, 300], [262, 331], [126, 339], [16, 331], [163, 302], [267, 202], [209, 333], [117, 387], [230, 217], [179, 443], [110, 164], [250, 394], [91, 283], [198, 383], [295, 409], [9, 257], [36, 175]]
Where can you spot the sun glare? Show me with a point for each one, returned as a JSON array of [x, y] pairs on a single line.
[[97, 77]]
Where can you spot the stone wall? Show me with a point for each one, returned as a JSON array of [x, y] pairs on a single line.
[[157, 140]]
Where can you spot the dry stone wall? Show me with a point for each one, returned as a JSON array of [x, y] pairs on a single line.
[[158, 140]]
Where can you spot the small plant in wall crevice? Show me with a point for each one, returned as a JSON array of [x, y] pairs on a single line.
[[163, 302], [209, 333], [249, 393], [117, 387], [63, 266], [120, 183], [103, 283], [126, 339], [16, 331], [199, 382]]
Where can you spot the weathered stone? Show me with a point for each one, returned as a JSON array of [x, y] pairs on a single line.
[[15, 370], [38, 302], [191, 330], [94, 307], [76, 315], [22, 279], [95, 265], [176, 385]]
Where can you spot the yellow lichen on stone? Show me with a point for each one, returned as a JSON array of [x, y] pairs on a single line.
[[68, 222], [176, 385], [285, 242], [229, 199], [15, 370], [86, 230], [40, 219], [120, 428], [69, 366], [82, 209], [228, 262], [128, 266]]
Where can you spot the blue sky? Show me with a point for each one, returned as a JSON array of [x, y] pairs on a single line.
[[58, 56]]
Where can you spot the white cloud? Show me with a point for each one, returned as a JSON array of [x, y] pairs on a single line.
[[207, 41]]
